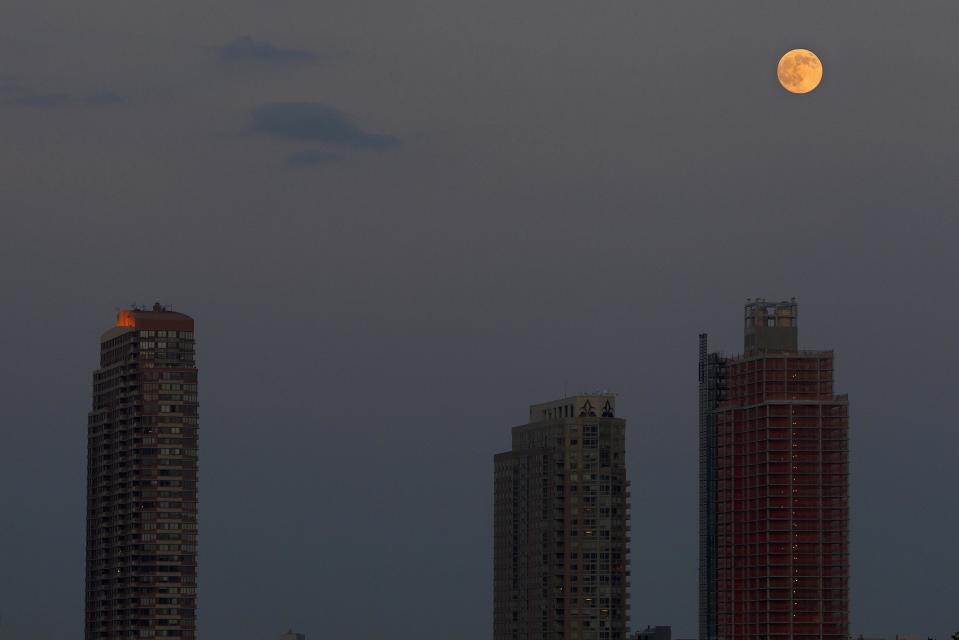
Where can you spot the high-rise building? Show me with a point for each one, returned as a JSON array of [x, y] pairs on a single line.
[[142, 480], [774, 472], [561, 525], [291, 635]]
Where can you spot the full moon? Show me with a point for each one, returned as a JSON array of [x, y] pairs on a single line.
[[800, 71]]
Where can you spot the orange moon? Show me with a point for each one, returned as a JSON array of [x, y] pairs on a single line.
[[799, 71]]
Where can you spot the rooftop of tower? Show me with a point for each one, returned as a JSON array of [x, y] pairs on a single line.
[[771, 326], [601, 405], [158, 317]]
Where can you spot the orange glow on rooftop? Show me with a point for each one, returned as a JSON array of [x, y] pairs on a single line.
[[125, 319], [157, 318]]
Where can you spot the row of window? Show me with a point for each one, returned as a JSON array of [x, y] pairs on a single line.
[[150, 345], [186, 335]]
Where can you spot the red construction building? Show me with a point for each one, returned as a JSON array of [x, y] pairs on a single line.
[[776, 563]]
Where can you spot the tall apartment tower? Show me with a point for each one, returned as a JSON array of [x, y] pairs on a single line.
[[774, 487], [561, 525], [142, 480]]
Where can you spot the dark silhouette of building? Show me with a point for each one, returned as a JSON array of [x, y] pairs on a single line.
[[654, 633], [142, 480], [774, 505], [561, 525], [711, 387]]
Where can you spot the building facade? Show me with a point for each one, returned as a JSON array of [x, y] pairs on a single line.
[[774, 509], [561, 525], [142, 480]]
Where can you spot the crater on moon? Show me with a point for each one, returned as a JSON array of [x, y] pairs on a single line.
[[799, 71]]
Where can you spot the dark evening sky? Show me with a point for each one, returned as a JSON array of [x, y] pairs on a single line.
[[398, 224]]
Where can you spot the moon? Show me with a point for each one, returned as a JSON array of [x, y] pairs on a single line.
[[799, 71]]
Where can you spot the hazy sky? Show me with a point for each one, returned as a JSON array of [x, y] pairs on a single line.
[[399, 223]]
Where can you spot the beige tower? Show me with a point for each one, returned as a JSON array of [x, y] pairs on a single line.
[[561, 525]]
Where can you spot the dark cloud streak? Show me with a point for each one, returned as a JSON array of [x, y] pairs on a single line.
[[314, 122], [17, 94], [43, 100], [246, 50]]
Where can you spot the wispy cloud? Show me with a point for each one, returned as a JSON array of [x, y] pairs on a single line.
[[43, 100], [314, 122], [17, 94], [246, 50]]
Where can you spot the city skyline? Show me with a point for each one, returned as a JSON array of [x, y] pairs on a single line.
[[398, 225], [143, 322]]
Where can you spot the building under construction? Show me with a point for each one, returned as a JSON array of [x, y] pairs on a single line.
[[774, 487]]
